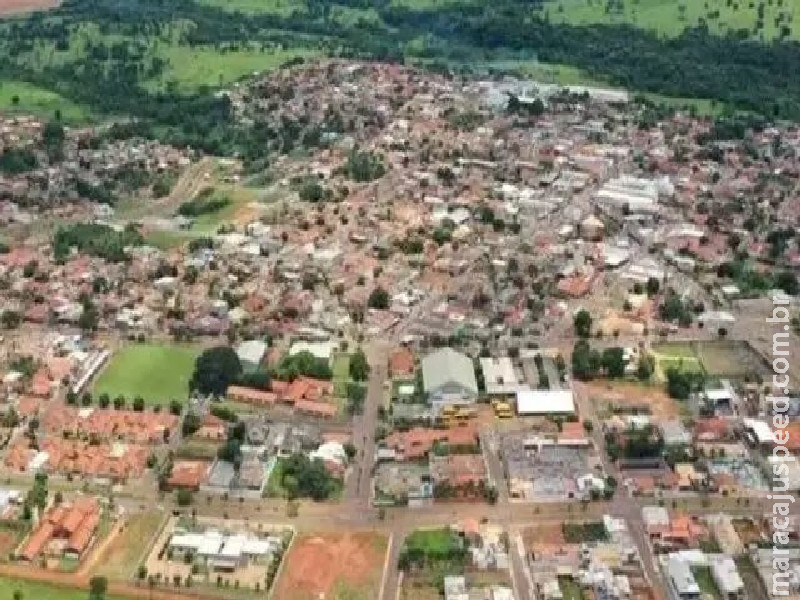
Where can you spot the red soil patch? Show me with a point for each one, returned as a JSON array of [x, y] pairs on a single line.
[[10, 7], [632, 395], [317, 564]]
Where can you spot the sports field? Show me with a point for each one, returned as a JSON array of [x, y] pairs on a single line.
[[157, 373]]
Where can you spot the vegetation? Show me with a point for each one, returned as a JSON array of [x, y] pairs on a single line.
[[433, 548], [214, 370], [157, 373], [101, 56], [302, 364], [95, 239], [206, 202], [577, 533], [302, 477], [583, 324]]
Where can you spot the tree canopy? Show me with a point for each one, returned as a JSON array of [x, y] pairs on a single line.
[[214, 370]]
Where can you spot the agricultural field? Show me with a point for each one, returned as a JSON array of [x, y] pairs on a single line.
[[126, 551], [337, 566], [671, 18], [157, 373], [274, 7]]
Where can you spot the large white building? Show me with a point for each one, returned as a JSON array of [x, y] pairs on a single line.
[[545, 402], [223, 551], [448, 378]]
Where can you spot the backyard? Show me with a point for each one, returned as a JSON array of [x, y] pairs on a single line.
[[157, 373]]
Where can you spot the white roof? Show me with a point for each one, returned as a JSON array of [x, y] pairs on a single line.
[[726, 575], [655, 515], [333, 451], [719, 394], [498, 373], [760, 429], [531, 402], [251, 351], [318, 349]]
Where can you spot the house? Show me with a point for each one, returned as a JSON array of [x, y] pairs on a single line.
[[727, 577], [65, 530], [188, 474], [681, 580], [448, 378], [499, 376], [418, 442], [248, 395], [401, 363], [212, 428], [460, 471], [251, 353]]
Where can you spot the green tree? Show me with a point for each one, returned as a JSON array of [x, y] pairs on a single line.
[[583, 324], [359, 366], [215, 369], [98, 586], [183, 497], [379, 298], [614, 362]]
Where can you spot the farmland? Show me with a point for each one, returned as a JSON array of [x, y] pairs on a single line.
[[157, 373], [21, 97], [336, 565], [671, 18]]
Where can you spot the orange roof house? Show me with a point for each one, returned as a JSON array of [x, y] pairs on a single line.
[[73, 526], [418, 442], [212, 428], [401, 363], [248, 395], [188, 474]]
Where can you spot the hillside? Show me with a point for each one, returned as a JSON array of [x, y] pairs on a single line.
[[163, 60]]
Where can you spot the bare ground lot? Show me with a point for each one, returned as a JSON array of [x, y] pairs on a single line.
[[13, 7], [648, 399], [334, 566], [124, 554]]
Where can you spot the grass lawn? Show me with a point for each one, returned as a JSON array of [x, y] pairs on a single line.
[[577, 533], [432, 540], [675, 350], [666, 18], [570, 589], [705, 580], [274, 7], [341, 374], [274, 487], [157, 373], [39, 101], [40, 591]]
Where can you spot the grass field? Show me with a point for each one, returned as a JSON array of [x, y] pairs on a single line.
[[275, 7], [38, 101], [570, 590], [668, 18], [432, 540], [191, 68], [157, 373], [341, 374], [717, 359], [39, 591], [127, 550]]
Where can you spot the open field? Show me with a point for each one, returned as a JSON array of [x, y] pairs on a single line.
[[35, 100], [14, 7], [721, 358], [607, 396], [157, 373], [668, 18], [339, 565], [436, 541], [543, 533], [274, 7], [191, 68], [126, 551], [39, 591]]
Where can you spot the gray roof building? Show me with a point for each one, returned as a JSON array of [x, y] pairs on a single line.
[[447, 374]]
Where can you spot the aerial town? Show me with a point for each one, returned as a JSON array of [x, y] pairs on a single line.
[[459, 339]]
